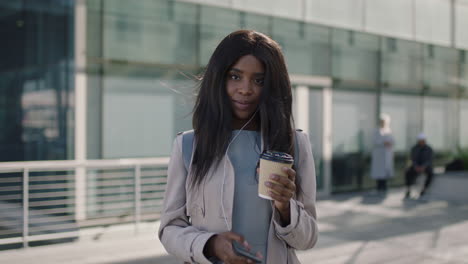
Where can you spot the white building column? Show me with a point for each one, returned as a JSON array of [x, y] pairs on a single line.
[[302, 108], [327, 138], [80, 109], [304, 82]]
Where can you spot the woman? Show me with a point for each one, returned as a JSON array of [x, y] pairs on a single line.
[[243, 107], [382, 154]]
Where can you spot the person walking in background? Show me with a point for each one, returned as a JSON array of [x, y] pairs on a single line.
[[211, 205], [421, 162], [382, 154]]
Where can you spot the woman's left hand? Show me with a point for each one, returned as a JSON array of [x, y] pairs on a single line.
[[282, 190]]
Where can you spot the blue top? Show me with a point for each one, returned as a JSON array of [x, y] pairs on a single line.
[[251, 214]]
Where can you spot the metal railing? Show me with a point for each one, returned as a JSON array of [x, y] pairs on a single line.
[[49, 200]]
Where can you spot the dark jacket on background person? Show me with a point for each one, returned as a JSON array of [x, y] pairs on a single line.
[[421, 155]]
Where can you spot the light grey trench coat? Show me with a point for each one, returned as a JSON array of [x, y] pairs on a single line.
[[382, 156], [191, 216]]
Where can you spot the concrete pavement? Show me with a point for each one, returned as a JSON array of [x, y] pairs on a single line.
[[354, 228]]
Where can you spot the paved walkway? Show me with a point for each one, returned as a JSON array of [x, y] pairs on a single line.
[[355, 228]]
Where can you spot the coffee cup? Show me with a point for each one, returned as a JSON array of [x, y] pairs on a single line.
[[272, 162]]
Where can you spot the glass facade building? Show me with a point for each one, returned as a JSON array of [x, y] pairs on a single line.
[[406, 58], [36, 80]]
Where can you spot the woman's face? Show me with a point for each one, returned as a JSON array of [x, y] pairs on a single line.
[[244, 85]]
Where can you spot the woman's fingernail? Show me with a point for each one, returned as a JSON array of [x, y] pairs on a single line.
[[273, 176], [285, 169]]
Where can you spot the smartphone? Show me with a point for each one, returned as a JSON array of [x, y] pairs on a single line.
[[241, 251]]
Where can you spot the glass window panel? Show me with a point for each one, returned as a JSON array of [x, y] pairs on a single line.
[[256, 22], [353, 133], [93, 5], [432, 21], [406, 118], [463, 134], [129, 127], [443, 54], [439, 122], [392, 17], [216, 23], [440, 76], [139, 104], [402, 63], [440, 68], [185, 52], [93, 29], [463, 80], [36, 80], [148, 10], [133, 30], [305, 46], [94, 113], [354, 55], [9, 7], [184, 13], [353, 126], [57, 7]]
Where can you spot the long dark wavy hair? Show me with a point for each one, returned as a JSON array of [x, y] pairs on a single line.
[[212, 115]]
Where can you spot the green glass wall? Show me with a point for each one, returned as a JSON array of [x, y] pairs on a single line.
[[305, 46], [353, 126], [142, 64], [401, 65]]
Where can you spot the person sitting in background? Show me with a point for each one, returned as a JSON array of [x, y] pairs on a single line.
[[421, 162]]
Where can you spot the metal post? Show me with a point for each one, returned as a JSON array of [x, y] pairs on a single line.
[[80, 108], [379, 80], [423, 89], [25, 207], [457, 120], [137, 197], [421, 109]]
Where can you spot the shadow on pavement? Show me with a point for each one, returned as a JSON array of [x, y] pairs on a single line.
[[373, 198], [425, 216], [408, 216]]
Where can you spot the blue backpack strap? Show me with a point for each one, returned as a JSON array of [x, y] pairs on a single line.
[[187, 147]]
